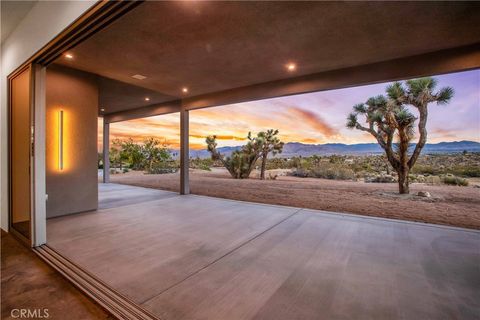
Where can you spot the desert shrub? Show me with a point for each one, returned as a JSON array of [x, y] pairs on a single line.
[[300, 172], [336, 159], [278, 163], [327, 170], [125, 170], [454, 180], [367, 167], [425, 169], [433, 180], [202, 164], [466, 171], [334, 172], [162, 167]]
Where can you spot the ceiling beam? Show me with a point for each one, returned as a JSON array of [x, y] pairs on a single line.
[[143, 112], [435, 63], [440, 62]]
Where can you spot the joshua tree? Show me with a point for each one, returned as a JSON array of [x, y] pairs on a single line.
[[387, 116], [241, 162], [269, 144]]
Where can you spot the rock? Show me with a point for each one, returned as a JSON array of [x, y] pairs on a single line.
[[424, 194]]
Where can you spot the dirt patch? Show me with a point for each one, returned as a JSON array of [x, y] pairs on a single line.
[[449, 205]]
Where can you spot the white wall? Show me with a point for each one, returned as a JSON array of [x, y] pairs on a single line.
[[46, 20]]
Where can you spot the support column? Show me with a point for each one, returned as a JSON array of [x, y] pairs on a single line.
[[184, 153], [106, 151]]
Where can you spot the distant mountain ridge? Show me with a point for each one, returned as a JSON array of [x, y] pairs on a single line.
[[292, 149]]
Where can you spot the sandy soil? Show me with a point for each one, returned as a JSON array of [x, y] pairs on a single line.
[[449, 205]]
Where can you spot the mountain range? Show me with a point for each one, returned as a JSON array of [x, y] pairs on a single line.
[[292, 149]]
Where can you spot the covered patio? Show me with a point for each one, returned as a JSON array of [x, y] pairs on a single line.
[[175, 255], [197, 257]]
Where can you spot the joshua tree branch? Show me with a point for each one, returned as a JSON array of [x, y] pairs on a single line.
[[422, 124], [386, 145]]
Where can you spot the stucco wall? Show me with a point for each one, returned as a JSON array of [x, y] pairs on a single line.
[[73, 188], [40, 25]]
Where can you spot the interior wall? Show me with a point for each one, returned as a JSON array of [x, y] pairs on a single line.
[[74, 187], [44, 21]]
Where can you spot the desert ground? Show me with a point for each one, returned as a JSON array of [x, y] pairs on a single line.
[[448, 205]]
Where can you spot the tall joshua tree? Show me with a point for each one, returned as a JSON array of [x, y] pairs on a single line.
[[389, 116], [270, 143]]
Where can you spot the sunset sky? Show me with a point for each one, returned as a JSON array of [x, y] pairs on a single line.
[[313, 118]]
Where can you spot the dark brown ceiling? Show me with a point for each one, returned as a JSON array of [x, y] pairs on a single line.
[[214, 46], [116, 95]]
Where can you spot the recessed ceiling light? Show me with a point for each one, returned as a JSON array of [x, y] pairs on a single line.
[[185, 90], [68, 56], [139, 77], [102, 109], [291, 67], [147, 99]]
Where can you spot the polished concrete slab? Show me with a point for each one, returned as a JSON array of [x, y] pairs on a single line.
[[143, 249], [111, 195], [193, 257], [321, 266]]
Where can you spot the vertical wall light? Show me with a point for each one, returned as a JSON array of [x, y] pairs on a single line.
[[60, 140]]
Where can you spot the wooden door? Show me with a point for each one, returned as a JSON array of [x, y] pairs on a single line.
[[21, 142]]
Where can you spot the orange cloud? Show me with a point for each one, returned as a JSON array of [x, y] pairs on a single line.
[[219, 137], [309, 140], [197, 146], [314, 121]]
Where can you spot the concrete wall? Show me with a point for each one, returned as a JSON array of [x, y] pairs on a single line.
[[73, 188], [40, 25]]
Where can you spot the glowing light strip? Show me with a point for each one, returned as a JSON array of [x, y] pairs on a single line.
[[60, 139]]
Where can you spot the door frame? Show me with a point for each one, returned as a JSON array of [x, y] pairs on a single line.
[[97, 17]]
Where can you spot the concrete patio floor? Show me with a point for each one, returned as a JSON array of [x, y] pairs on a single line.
[[196, 257]]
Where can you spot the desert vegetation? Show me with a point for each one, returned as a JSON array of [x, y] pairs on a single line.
[[450, 169], [241, 162], [391, 116], [151, 156]]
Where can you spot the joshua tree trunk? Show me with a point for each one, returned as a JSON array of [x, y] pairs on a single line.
[[403, 167], [403, 180], [264, 164]]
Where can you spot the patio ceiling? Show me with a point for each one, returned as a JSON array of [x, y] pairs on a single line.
[[215, 46]]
